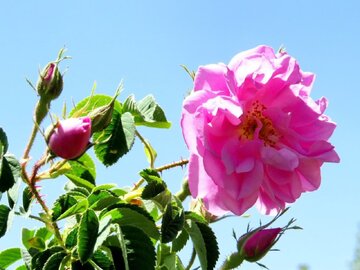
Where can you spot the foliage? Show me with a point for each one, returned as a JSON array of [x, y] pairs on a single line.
[[103, 226]]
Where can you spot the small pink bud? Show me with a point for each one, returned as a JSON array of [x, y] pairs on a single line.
[[258, 243], [70, 137], [50, 82]]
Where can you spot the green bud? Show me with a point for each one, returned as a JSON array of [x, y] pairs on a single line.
[[101, 116], [50, 83]]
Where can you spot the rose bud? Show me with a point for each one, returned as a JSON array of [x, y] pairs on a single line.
[[254, 245], [101, 116], [50, 82], [70, 137]]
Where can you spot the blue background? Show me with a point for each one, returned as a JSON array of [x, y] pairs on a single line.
[[144, 43]]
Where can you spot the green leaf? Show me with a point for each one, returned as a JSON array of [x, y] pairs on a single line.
[[62, 204], [155, 184], [15, 167], [101, 199], [71, 239], [26, 235], [40, 259], [77, 208], [146, 112], [54, 261], [9, 256], [172, 222], [3, 141], [87, 235], [180, 241], [116, 140], [101, 259], [27, 199], [131, 215], [4, 216], [212, 250], [195, 217], [43, 233], [22, 267], [7, 179], [104, 187], [83, 172], [140, 252], [205, 243], [90, 103]]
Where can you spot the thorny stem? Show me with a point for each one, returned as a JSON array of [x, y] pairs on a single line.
[[41, 111], [179, 163], [192, 259]]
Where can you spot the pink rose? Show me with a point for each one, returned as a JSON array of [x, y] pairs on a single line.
[[255, 135], [259, 243], [70, 137]]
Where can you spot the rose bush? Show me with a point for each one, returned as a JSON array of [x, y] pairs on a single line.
[[254, 133]]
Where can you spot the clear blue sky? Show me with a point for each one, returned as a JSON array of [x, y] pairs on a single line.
[[145, 42]]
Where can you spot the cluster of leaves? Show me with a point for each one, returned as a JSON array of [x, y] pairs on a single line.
[[106, 227]]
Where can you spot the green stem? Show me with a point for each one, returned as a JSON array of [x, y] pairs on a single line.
[[148, 147], [32, 217], [184, 192], [41, 110], [192, 259]]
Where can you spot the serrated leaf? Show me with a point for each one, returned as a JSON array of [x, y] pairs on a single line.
[[204, 242], [103, 187], [4, 216], [3, 141], [62, 204], [15, 167], [172, 222], [115, 140], [155, 184], [180, 241], [146, 112], [195, 217], [7, 179], [101, 199], [27, 199], [71, 238], [101, 259], [83, 172], [88, 104], [152, 189], [77, 208], [87, 235], [39, 260], [212, 250], [126, 216], [139, 249], [43, 233], [54, 261], [26, 235], [9, 256], [105, 228]]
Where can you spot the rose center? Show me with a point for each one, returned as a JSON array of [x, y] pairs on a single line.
[[255, 125]]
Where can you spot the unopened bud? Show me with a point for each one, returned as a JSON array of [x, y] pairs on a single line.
[[101, 116], [69, 138], [255, 244], [50, 83]]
